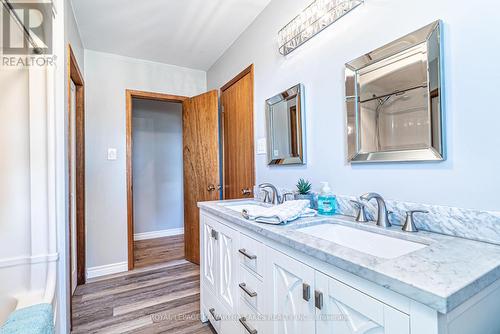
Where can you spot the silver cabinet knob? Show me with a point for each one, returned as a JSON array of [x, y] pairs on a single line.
[[250, 330], [250, 293], [216, 317], [318, 299], [306, 292]]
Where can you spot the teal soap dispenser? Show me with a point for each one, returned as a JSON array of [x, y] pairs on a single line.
[[327, 202]]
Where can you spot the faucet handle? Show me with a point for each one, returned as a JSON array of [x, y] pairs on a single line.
[[285, 196], [409, 225], [361, 216]]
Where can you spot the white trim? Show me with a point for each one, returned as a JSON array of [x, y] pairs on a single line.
[[159, 234], [26, 260], [107, 269]]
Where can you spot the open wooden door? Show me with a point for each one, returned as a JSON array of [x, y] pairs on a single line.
[[200, 123]]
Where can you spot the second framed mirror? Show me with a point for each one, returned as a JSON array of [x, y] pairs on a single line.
[[285, 118]]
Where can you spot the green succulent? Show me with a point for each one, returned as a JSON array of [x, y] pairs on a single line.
[[304, 187]]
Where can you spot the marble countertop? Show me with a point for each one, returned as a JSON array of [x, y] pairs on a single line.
[[443, 275]]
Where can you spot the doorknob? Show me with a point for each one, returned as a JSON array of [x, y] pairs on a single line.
[[211, 187], [246, 192]]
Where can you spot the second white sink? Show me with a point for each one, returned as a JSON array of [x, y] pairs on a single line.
[[363, 241]]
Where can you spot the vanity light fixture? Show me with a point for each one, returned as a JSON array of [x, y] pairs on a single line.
[[316, 17]]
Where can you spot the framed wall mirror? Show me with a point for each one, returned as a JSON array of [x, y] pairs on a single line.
[[394, 100], [285, 117]]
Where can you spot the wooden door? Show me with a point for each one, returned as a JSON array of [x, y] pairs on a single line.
[[238, 136], [291, 292], [200, 123]]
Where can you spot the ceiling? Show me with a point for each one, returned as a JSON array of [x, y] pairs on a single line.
[[189, 33]]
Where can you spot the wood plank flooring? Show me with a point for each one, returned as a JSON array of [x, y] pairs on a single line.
[[158, 299], [159, 250]]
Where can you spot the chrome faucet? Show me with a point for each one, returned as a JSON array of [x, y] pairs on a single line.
[[275, 198], [383, 214]]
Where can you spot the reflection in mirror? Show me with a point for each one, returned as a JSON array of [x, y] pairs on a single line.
[[393, 100], [285, 127]]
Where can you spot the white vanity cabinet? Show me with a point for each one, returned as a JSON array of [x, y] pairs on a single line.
[[254, 285], [248, 287]]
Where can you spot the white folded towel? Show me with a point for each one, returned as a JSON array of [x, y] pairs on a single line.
[[280, 214]]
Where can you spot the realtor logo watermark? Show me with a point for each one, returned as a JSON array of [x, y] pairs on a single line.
[[26, 34]]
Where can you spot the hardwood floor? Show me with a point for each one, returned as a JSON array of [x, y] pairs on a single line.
[[160, 250], [158, 299]]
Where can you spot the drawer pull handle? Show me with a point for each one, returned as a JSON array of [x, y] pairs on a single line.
[[306, 292], [243, 287], [214, 234], [318, 299], [249, 256], [212, 312], [249, 329]]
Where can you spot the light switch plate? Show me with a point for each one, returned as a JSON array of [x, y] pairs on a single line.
[[112, 154], [261, 146]]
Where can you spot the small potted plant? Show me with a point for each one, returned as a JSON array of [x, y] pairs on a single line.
[[304, 191]]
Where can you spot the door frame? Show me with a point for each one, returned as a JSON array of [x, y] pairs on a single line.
[[239, 76], [129, 96], [75, 76]]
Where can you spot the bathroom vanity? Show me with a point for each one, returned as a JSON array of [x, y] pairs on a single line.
[[333, 275]]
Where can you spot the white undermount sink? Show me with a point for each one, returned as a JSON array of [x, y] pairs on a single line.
[[363, 241]]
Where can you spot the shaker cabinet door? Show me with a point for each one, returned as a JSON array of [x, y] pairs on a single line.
[[228, 243], [290, 287], [209, 253], [345, 310]]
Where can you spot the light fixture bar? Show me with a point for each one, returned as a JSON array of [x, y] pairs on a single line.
[[316, 17]]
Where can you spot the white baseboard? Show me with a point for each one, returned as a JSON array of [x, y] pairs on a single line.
[[107, 269], [158, 234]]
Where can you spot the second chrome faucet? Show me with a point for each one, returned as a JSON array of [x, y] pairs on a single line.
[[383, 214]]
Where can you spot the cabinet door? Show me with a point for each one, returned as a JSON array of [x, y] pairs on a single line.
[[345, 310], [228, 243], [209, 254], [291, 293]]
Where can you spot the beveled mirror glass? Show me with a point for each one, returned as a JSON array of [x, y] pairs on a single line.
[[393, 99], [286, 127]]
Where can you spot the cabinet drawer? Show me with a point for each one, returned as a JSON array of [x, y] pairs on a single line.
[[250, 322], [251, 290], [251, 254]]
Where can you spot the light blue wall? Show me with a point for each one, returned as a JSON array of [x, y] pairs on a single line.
[[469, 178], [107, 77], [157, 165]]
